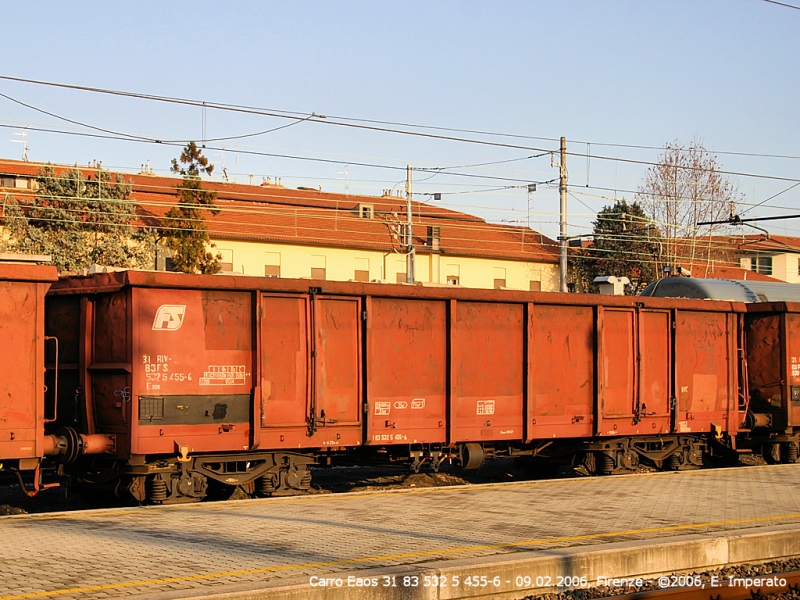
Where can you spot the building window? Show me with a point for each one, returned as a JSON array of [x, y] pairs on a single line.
[[318, 265], [499, 277], [366, 211], [453, 276], [226, 262], [272, 264], [361, 269], [169, 264], [434, 237], [536, 286], [401, 277], [23, 183], [761, 264]]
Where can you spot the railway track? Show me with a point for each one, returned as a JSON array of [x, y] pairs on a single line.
[[325, 480]]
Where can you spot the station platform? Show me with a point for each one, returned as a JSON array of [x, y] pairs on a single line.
[[504, 540]]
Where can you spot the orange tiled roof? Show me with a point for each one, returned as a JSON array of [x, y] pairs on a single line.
[[308, 216], [716, 271], [757, 242]]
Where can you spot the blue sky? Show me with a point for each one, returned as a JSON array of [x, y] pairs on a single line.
[[613, 72]]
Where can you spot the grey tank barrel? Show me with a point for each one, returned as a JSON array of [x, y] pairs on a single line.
[[723, 289]]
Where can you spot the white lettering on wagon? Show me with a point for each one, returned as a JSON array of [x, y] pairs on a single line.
[[485, 407], [169, 317], [383, 408], [224, 375], [418, 403], [162, 370]]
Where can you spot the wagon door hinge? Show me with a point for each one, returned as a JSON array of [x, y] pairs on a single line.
[[641, 412], [314, 422]]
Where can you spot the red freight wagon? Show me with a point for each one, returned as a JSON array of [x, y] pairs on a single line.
[[29, 432], [773, 353], [22, 418], [246, 380]]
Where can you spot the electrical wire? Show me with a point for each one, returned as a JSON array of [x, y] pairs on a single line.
[[771, 197], [275, 195], [783, 4], [150, 139], [276, 155], [452, 241], [315, 118]]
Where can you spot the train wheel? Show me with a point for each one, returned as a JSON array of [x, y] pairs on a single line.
[[672, 462], [771, 453], [291, 480], [789, 452], [605, 463]]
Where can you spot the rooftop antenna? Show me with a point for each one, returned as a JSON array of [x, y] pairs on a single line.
[[346, 178], [224, 168], [24, 142], [203, 141]]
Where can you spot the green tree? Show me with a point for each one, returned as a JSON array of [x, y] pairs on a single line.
[[626, 244], [185, 231], [79, 220]]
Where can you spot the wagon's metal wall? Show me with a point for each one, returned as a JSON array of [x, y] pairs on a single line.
[[22, 292], [773, 339], [226, 363]]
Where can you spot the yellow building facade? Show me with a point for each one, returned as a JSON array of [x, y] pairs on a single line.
[[270, 230], [299, 261]]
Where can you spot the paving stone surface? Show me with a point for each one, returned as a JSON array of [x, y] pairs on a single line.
[[208, 547]]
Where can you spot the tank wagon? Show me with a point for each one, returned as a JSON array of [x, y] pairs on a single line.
[[772, 356], [24, 442], [204, 382]]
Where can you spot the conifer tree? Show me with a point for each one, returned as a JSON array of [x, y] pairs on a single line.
[[185, 231], [626, 244]]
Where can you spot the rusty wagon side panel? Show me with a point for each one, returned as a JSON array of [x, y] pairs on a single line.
[[191, 377], [488, 366], [327, 365], [309, 356], [406, 371], [22, 383], [773, 352]]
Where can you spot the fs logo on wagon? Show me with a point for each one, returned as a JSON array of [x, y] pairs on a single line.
[[169, 317]]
